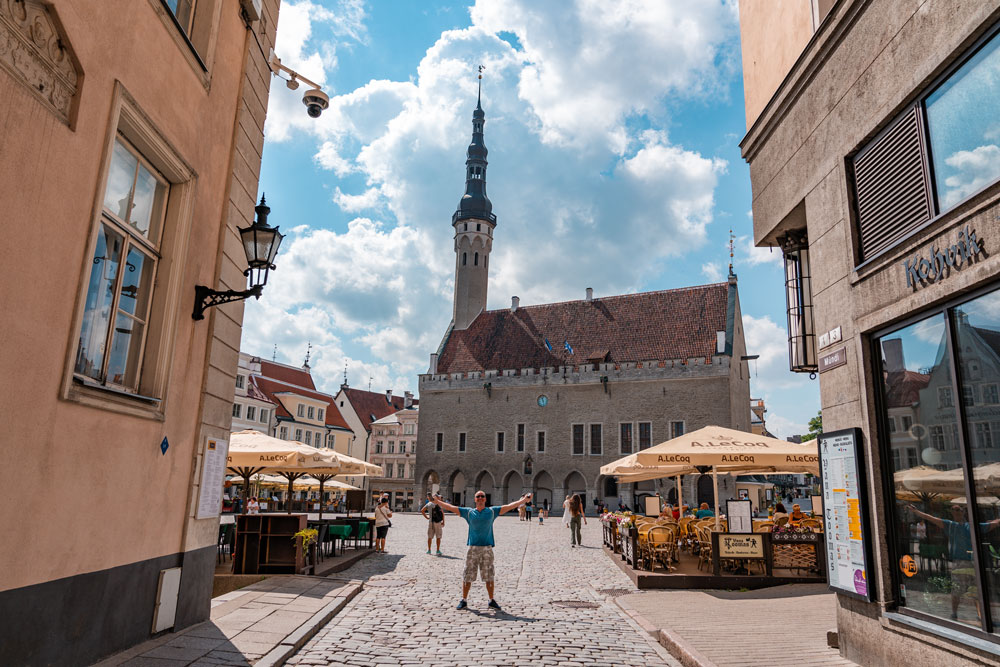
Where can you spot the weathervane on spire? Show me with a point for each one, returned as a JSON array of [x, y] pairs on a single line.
[[731, 238], [309, 348], [479, 95]]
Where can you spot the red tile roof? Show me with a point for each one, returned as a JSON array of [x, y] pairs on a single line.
[[670, 324], [902, 388], [299, 377], [274, 387], [368, 403]]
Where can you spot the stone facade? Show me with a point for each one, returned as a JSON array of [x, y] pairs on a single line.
[[867, 62], [395, 449]]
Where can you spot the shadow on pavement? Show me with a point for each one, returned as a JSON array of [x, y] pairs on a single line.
[[378, 564], [773, 593], [502, 616]]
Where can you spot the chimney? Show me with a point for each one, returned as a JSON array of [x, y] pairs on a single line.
[[720, 342], [388, 396], [514, 303], [407, 399], [892, 349], [590, 294], [434, 364]]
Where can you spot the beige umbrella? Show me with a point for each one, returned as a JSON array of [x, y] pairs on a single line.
[[721, 449], [252, 452]]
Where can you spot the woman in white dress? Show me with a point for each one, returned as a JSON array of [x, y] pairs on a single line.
[[566, 512]]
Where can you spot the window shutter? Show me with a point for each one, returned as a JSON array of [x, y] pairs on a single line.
[[891, 185]]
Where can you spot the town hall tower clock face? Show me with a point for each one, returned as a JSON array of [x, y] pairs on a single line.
[[543, 400]]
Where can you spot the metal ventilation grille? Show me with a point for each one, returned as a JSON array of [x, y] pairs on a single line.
[[891, 185]]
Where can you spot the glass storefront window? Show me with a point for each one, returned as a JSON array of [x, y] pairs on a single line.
[[964, 129], [948, 550], [977, 336]]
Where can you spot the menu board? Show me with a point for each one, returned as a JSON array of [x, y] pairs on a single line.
[[844, 512], [213, 466], [739, 516]]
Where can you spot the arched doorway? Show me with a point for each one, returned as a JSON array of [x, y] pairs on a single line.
[[485, 484], [543, 491], [513, 487], [706, 494], [458, 485], [431, 483], [576, 485], [672, 496], [608, 491], [641, 491]]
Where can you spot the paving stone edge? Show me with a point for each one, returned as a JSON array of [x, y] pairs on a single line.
[[680, 649], [298, 638]]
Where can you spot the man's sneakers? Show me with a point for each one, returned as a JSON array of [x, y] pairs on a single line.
[[428, 551], [462, 604], [438, 552], [492, 605]]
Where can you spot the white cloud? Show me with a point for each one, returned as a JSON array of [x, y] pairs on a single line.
[[356, 203], [783, 428], [712, 271], [769, 340], [976, 169]]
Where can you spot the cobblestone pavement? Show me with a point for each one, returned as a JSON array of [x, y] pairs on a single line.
[[406, 614]]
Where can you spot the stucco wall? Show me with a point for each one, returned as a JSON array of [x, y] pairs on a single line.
[[92, 490]]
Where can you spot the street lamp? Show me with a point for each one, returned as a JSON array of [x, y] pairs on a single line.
[[260, 243]]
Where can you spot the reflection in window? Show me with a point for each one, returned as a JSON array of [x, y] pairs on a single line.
[[964, 127]]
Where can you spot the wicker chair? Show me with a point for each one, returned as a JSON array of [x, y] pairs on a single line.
[[662, 545], [704, 546]]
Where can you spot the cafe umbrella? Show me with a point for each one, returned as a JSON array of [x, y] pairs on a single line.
[[720, 450], [340, 464]]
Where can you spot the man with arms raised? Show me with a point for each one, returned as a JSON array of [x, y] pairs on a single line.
[[480, 555]]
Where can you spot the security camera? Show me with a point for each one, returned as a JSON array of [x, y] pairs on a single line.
[[316, 102]]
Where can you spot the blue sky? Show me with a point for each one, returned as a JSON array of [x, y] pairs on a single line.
[[613, 132]]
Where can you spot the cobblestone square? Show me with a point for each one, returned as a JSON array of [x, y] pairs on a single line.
[[406, 613]]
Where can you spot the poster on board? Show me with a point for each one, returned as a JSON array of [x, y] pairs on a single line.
[[213, 468], [739, 516], [844, 505], [652, 505]]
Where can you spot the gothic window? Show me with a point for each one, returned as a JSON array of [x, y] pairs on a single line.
[[464, 257]]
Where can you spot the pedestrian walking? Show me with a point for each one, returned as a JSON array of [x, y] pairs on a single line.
[[577, 516], [527, 510], [435, 523], [566, 511], [479, 558], [382, 524]]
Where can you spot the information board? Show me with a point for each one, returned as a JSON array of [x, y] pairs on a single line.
[[652, 505], [739, 516], [213, 468], [845, 512]]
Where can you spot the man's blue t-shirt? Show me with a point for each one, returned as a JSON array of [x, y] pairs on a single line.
[[480, 524]]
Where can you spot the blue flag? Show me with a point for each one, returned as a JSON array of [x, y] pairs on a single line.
[[567, 346], [548, 345]]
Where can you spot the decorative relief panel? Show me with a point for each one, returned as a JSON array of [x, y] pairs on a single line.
[[35, 51]]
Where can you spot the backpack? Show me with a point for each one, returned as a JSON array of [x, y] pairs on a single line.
[[437, 514]]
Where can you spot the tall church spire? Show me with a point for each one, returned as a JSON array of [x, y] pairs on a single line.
[[474, 223]]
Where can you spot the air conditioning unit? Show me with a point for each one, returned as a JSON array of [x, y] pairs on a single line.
[[252, 8]]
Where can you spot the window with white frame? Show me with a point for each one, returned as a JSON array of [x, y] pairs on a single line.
[[378, 446], [392, 446], [298, 435], [596, 439], [645, 435], [264, 414], [578, 434], [319, 438], [400, 470], [944, 397], [388, 470], [241, 381], [409, 429], [283, 433], [251, 413], [625, 438], [123, 272], [237, 410], [319, 414], [312, 413], [309, 437], [990, 394], [301, 412], [330, 440]]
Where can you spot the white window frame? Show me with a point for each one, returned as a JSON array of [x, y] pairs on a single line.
[[590, 436], [265, 414], [298, 435], [319, 414], [300, 411], [309, 438], [311, 412], [237, 411], [583, 439], [241, 381], [283, 433]]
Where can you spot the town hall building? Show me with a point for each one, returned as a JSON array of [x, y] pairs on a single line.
[[539, 397]]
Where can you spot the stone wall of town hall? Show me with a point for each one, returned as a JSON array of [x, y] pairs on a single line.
[[693, 392]]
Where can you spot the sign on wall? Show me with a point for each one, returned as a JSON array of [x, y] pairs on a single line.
[[213, 468], [845, 512]]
